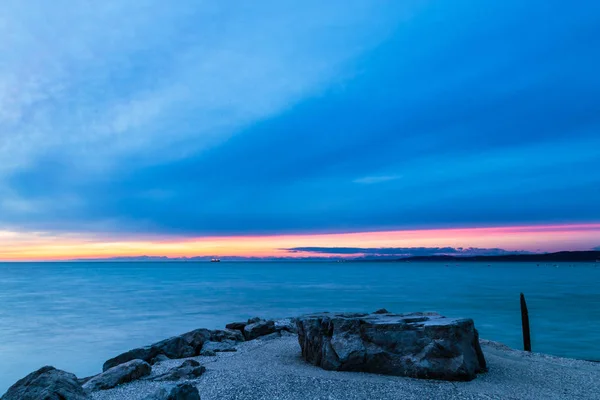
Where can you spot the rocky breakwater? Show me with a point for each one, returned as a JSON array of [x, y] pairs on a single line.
[[418, 345], [49, 383], [189, 344]]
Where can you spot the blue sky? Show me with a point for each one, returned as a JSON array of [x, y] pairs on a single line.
[[233, 118]]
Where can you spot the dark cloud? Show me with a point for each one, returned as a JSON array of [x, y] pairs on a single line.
[[404, 251], [483, 116]]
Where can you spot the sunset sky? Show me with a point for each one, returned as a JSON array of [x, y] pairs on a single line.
[[280, 128]]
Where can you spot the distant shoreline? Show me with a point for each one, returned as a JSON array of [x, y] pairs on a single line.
[[561, 256]]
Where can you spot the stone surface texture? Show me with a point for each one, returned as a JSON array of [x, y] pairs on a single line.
[[47, 383], [258, 328], [122, 373], [183, 346], [418, 345], [189, 369]]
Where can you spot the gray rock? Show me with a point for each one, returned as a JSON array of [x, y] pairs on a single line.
[[419, 345], [227, 335], [236, 326], [159, 358], [182, 391], [208, 353], [143, 353], [81, 381], [47, 383], [226, 345], [187, 345], [286, 324], [189, 369], [254, 320], [258, 329], [122, 373]]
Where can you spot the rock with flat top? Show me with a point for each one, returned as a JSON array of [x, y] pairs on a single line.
[[47, 383], [418, 345], [122, 373]]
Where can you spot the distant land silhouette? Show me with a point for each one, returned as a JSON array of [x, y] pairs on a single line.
[[561, 256]]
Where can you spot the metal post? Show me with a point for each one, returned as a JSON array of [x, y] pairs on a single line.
[[525, 323]]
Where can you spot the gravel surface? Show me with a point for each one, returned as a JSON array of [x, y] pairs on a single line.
[[273, 369]]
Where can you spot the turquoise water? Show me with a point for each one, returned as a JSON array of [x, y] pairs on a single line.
[[76, 315]]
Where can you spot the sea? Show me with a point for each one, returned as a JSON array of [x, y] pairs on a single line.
[[76, 315]]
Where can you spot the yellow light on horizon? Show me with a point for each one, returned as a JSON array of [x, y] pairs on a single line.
[[17, 246]]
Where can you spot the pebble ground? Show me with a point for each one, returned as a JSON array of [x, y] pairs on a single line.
[[273, 369]]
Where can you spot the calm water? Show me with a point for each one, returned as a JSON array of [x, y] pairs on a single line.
[[76, 315]]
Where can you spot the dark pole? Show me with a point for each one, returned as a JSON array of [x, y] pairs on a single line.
[[525, 323]]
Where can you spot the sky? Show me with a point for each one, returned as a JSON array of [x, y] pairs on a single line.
[[261, 128]]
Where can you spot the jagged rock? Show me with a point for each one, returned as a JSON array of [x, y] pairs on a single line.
[[182, 391], [216, 347], [259, 328], [122, 373], [381, 311], [47, 383], [187, 345], [189, 369], [419, 345]]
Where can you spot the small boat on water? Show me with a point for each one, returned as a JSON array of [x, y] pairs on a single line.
[[215, 260]]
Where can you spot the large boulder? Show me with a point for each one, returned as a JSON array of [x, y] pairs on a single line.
[[419, 345], [183, 346], [189, 369], [122, 373], [182, 391], [47, 383]]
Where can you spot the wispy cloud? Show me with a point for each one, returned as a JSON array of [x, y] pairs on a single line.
[[100, 82], [220, 118]]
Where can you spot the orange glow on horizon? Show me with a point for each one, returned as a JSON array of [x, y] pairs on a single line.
[[16, 246]]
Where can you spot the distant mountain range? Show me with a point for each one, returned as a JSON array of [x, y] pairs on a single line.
[[561, 256]]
